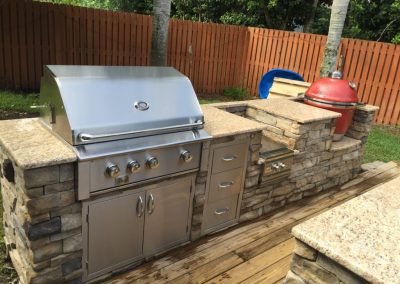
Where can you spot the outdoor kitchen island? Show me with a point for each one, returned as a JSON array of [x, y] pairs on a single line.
[[44, 225]]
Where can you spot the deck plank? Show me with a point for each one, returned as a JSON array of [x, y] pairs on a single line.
[[272, 274], [244, 252], [256, 264], [210, 270]]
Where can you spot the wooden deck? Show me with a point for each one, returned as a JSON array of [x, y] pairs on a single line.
[[256, 252]]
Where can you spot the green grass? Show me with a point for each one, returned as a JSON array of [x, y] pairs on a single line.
[[383, 144], [18, 102]]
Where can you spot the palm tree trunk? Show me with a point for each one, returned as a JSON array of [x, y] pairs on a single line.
[[161, 13], [338, 16]]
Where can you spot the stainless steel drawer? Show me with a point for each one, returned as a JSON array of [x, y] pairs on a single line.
[[278, 165], [220, 212], [225, 184], [229, 157]]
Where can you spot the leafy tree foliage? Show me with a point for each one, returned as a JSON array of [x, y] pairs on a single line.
[[135, 6], [277, 14], [377, 20], [366, 19]]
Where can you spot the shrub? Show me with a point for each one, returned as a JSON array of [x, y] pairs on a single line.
[[235, 93]]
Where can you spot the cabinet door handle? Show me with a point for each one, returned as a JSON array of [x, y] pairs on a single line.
[[139, 207], [229, 158], [150, 204], [221, 211], [226, 184]]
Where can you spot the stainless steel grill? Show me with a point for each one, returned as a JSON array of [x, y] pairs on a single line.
[[127, 124]]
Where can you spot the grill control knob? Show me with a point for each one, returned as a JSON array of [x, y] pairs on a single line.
[[112, 171], [133, 166], [152, 163], [186, 156]]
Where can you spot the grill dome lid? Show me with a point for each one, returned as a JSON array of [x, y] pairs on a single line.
[[87, 104], [332, 90]]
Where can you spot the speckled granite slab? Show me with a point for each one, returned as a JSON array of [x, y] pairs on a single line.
[[344, 143], [293, 110], [31, 145], [219, 123], [362, 234]]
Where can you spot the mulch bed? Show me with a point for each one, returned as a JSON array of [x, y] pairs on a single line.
[[12, 114]]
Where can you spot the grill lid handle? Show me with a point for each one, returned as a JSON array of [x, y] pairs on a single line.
[[85, 137]]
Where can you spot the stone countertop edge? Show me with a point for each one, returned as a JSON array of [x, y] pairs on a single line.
[[228, 104], [219, 123], [293, 110], [362, 234], [368, 108], [344, 143], [31, 145]]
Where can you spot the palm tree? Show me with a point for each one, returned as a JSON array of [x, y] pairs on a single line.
[[161, 12], [338, 16], [310, 20]]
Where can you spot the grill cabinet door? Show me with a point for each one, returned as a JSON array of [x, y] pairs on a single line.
[[115, 232], [167, 216]]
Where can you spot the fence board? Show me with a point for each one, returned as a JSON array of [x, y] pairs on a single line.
[[214, 56], [2, 70], [8, 64], [21, 34], [385, 85], [14, 43]]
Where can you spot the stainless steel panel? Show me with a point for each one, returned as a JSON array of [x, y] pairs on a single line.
[[220, 212], [83, 180], [168, 158], [167, 216], [96, 150], [115, 227], [278, 165], [275, 178], [229, 157], [225, 184], [101, 100]]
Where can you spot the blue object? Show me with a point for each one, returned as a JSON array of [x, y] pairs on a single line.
[[268, 79]]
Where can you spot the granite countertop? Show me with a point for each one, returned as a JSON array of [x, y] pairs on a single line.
[[344, 143], [293, 110], [32, 145], [219, 123], [362, 234]]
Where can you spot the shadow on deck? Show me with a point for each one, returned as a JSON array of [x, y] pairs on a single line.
[[254, 252]]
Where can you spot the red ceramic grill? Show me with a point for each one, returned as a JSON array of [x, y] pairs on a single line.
[[337, 95]]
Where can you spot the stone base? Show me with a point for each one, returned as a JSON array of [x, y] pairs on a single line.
[[310, 266]]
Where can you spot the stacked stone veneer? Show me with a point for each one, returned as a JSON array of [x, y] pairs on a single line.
[[310, 266], [42, 222], [318, 163]]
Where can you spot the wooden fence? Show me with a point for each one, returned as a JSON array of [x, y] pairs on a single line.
[[213, 56]]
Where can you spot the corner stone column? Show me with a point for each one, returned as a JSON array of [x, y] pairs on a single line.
[[42, 222]]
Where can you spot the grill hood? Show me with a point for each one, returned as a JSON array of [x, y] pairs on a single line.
[[87, 104]]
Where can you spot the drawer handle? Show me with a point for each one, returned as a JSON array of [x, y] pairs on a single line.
[[229, 159], [226, 184], [221, 211]]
